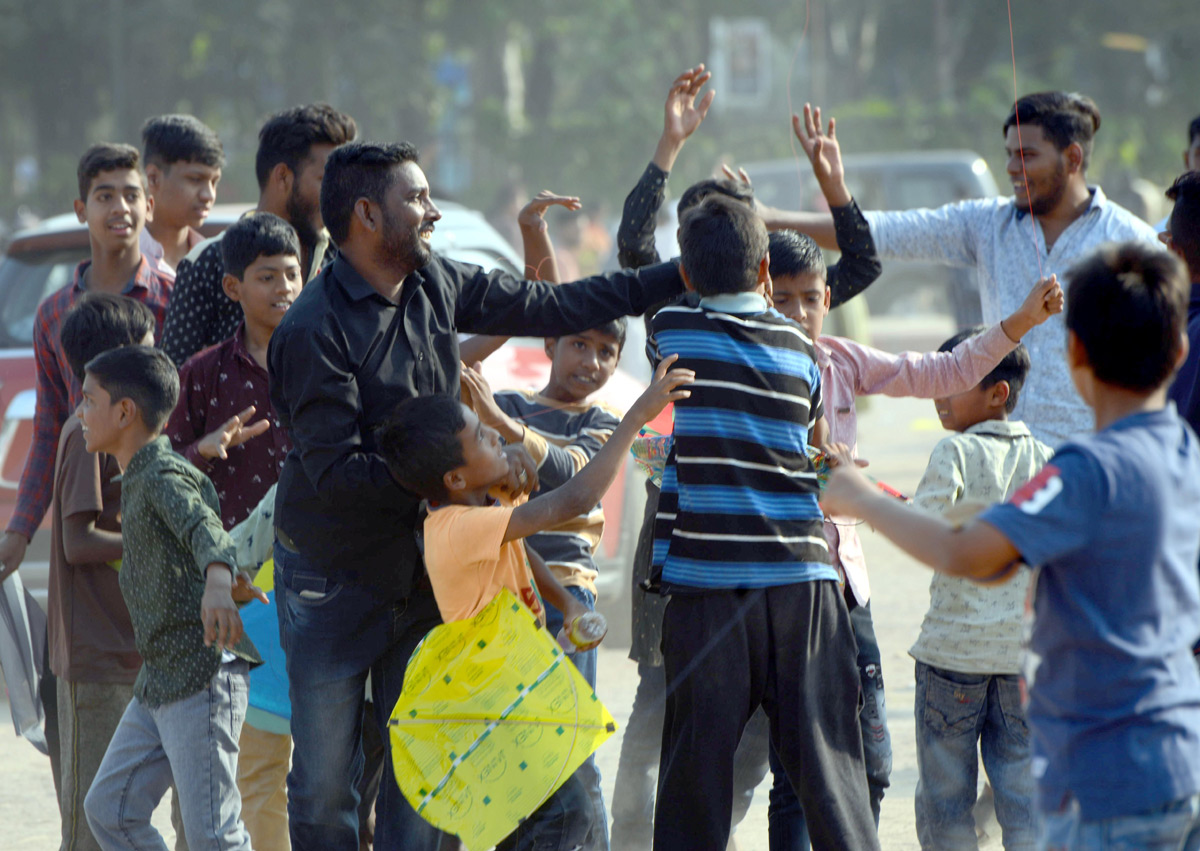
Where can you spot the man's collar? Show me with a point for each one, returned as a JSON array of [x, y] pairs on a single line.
[[747, 302], [1097, 202]]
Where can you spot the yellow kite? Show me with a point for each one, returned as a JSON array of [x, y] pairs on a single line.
[[493, 718]]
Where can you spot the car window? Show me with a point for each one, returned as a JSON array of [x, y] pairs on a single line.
[[26, 279]]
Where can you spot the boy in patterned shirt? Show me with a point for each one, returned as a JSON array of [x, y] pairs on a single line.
[[177, 578], [969, 650]]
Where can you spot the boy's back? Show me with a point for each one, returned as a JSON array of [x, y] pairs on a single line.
[[739, 495], [91, 637], [1114, 691], [971, 627]]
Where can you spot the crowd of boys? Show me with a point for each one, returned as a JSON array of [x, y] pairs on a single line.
[[297, 388]]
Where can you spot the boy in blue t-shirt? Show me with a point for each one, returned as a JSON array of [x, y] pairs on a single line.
[[1112, 526], [756, 616]]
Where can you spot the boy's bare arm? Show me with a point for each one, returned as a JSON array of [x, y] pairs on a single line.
[[975, 550], [83, 543], [551, 589], [586, 487]]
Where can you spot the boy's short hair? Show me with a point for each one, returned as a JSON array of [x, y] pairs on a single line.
[[358, 170], [102, 157], [1193, 129], [1127, 305], [1014, 368], [736, 189], [616, 329], [101, 321], [722, 243], [288, 136], [142, 374], [256, 235], [1184, 223], [1064, 117], [170, 139], [419, 441], [795, 253]]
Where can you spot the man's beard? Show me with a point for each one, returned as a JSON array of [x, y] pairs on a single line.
[[403, 245], [1047, 200], [300, 216]]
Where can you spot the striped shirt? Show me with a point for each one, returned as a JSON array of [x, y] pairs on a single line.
[[562, 438], [739, 495]]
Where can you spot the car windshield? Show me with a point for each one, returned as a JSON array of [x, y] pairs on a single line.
[[26, 279]]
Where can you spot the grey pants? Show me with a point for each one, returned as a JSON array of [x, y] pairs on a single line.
[[194, 742], [88, 714]]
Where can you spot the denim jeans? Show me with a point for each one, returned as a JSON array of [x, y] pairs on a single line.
[[588, 773], [194, 742], [562, 823], [1174, 827], [332, 635], [785, 816], [958, 717]]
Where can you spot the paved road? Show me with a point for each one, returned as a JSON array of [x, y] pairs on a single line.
[[895, 435]]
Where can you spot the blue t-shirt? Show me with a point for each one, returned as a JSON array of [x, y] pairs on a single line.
[[1112, 525]]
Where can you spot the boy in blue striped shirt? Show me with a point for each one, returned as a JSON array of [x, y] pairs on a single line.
[[756, 615]]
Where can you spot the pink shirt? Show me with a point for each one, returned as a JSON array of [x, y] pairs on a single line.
[[850, 369]]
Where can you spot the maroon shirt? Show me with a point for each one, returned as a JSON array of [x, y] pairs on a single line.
[[88, 625], [214, 385]]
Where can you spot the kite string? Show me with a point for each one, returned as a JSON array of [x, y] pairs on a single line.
[[791, 108], [1037, 252]]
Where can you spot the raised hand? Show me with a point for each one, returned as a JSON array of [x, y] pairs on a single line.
[[233, 432], [682, 114], [1044, 300], [531, 215], [666, 387], [823, 152]]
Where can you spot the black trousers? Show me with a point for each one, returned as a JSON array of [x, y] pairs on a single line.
[[789, 649]]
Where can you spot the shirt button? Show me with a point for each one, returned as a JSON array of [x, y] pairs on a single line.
[[420, 356]]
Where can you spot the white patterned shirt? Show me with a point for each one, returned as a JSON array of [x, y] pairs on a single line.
[[973, 628], [998, 240]]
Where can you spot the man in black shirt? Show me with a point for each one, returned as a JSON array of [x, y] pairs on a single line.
[[377, 326]]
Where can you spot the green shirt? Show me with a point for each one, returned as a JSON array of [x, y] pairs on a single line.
[[171, 532]]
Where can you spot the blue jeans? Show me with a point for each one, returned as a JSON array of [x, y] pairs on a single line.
[[785, 816], [958, 717], [192, 742], [332, 635], [588, 773], [1174, 827]]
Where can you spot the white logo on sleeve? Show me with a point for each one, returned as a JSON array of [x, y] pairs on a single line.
[[1040, 491]]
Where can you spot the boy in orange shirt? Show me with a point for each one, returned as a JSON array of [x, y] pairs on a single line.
[[473, 535]]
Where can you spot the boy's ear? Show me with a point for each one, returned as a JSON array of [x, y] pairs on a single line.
[[1076, 353], [80, 211], [453, 480], [154, 178], [1184, 346], [687, 282], [998, 394], [129, 413], [549, 344], [1074, 157], [232, 287], [764, 270]]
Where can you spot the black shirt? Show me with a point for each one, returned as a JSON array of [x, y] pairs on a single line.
[[344, 356]]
